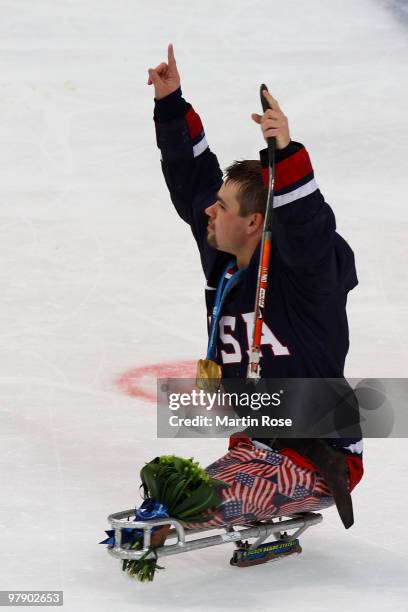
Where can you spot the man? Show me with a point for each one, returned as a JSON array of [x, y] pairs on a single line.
[[305, 331]]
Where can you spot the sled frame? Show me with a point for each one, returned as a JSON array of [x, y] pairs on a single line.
[[232, 533]]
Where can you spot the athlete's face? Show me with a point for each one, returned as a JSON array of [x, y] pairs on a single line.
[[227, 230]]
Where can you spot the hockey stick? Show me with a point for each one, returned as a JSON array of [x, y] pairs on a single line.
[[254, 369]]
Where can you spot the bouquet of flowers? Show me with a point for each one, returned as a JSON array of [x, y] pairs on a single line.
[[182, 486], [174, 487]]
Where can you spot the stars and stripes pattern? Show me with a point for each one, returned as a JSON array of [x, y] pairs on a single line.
[[291, 477], [215, 467], [245, 479], [263, 485], [231, 509]]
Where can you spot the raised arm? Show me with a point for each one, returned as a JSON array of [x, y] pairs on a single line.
[[304, 226], [191, 170]]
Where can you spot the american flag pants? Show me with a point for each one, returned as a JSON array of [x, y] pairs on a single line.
[[264, 484]]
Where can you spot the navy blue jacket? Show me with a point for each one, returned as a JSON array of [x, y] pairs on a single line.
[[312, 267]]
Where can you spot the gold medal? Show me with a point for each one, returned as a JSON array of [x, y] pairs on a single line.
[[209, 375]]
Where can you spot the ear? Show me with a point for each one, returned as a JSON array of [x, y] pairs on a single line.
[[256, 221]]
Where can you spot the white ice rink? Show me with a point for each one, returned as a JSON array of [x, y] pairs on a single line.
[[99, 277]]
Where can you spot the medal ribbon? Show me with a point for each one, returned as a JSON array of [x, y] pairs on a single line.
[[224, 287]]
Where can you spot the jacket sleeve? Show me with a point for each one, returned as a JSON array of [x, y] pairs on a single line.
[[191, 171], [304, 225]]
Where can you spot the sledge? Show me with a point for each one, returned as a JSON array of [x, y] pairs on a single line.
[[186, 540]]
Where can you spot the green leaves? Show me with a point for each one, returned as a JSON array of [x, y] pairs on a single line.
[[150, 477], [183, 486], [189, 495], [201, 498], [142, 569]]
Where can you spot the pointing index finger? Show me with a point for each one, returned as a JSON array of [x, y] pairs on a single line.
[[170, 55]]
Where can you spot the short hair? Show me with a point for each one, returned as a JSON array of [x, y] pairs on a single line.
[[252, 193]]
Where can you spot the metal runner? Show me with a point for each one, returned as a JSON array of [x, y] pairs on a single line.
[[260, 531]]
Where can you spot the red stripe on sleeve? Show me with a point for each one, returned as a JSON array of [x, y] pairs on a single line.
[[195, 127], [265, 176], [292, 169]]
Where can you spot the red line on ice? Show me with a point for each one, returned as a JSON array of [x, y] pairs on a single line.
[[141, 382]]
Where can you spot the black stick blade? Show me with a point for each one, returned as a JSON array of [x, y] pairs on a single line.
[[264, 101]]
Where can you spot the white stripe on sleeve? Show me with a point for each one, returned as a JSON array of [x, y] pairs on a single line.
[[296, 194], [200, 147]]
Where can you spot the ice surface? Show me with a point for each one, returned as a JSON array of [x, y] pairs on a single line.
[[98, 277]]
